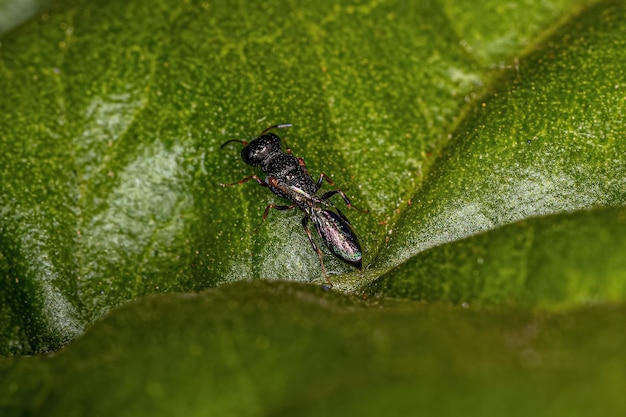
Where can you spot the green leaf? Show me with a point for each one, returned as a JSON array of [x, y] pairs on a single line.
[[549, 138], [549, 262], [292, 349], [113, 114]]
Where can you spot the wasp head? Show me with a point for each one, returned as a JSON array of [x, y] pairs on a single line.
[[260, 149]]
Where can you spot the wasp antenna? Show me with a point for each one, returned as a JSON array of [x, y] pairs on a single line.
[[243, 142], [280, 126]]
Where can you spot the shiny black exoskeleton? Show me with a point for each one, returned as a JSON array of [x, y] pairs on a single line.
[[288, 178]]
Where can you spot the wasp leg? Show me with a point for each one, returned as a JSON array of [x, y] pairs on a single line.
[[324, 177], [331, 193], [303, 165], [316, 249], [241, 181], [267, 210]]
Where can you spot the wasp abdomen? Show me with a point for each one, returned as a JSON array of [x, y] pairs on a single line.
[[338, 236]]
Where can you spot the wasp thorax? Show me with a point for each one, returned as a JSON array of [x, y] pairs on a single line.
[[260, 149]]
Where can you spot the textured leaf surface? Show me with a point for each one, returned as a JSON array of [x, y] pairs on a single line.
[[487, 141], [548, 262], [548, 138]]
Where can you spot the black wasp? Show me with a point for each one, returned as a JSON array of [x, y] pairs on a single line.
[[288, 178]]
